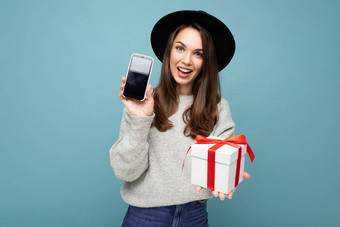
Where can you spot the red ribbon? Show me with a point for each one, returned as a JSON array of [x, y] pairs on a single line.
[[231, 141]]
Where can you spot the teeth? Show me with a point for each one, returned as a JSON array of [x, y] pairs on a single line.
[[184, 70]]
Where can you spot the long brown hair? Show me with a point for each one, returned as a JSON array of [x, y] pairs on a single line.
[[201, 117]]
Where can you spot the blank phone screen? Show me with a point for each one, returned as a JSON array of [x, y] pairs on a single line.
[[137, 78]]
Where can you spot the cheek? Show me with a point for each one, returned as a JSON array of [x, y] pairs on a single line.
[[173, 58], [173, 61], [199, 65], [172, 64]]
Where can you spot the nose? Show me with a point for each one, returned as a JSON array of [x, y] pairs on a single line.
[[187, 58]]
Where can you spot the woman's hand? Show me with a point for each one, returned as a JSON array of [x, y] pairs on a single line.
[[136, 107], [221, 194]]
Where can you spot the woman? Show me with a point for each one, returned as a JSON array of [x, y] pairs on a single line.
[[156, 133]]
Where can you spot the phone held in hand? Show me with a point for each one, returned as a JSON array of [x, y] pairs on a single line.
[[138, 76]]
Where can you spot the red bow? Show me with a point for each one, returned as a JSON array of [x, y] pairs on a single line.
[[233, 140]]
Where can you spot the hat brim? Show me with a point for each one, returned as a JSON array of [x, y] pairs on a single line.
[[223, 39]]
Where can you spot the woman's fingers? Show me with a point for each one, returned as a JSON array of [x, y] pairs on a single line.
[[222, 196], [230, 194], [123, 79], [215, 193], [218, 194], [246, 175], [149, 92], [122, 85]]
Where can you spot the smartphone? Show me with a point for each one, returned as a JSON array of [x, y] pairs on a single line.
[[138, 76]]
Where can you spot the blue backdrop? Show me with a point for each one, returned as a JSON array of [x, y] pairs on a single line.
[[61, 64]]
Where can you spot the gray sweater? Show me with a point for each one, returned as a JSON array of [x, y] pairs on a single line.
[[150, 162]]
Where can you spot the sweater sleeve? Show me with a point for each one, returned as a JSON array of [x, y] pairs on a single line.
[[129, 155], [225, 126]]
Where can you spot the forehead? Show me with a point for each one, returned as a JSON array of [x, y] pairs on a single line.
[[190, 37]]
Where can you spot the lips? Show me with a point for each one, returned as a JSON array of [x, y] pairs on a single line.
[[183, 71]]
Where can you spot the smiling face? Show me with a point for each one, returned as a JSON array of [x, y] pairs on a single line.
[[186, 59]]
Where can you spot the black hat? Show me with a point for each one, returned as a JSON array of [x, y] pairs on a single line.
[[221, 35]]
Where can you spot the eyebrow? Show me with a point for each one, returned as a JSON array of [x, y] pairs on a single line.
[[185, 46]]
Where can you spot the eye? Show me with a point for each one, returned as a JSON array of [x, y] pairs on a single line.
[[198, 54], [179, 48]]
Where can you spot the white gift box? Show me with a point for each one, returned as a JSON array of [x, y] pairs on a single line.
[[225, 166]]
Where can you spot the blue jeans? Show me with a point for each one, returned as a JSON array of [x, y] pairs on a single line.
[[189, 214]]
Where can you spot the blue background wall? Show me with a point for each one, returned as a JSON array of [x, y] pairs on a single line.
[[60, 69]]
